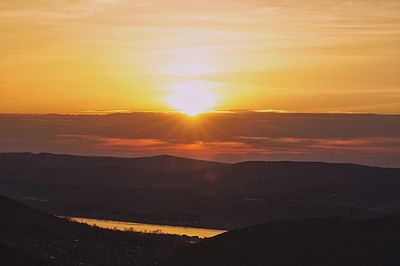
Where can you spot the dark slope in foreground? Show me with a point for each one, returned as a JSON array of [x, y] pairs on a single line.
[[14, 257], [327, 242], [29, 237], [171, 190]]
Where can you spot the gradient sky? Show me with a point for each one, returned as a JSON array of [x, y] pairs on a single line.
[[75, 56], [322, 57]]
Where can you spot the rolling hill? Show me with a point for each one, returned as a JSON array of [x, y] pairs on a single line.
[[172, 190], [322, 242]]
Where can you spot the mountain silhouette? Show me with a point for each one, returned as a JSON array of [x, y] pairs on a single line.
[[172, 190], [322, 242]]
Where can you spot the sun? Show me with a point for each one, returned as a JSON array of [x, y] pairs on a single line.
[[191, 98]]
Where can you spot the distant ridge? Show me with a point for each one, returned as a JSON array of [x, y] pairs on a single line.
[[173, 157], [321, 163], [65, 155]]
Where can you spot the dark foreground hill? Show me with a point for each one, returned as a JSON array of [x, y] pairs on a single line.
[[30, 238], [330, 242], [14, 257], [171, 190]]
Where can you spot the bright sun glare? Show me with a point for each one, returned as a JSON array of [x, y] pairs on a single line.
[[191, 98]]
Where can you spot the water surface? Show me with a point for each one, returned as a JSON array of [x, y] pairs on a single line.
[[149, 228]]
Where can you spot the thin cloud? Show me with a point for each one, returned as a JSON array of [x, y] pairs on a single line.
[[233, 136], [45, 9]]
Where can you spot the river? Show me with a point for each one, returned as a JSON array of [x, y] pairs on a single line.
[[149, 228]]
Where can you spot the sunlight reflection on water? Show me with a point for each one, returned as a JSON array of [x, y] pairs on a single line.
[[149, 228]]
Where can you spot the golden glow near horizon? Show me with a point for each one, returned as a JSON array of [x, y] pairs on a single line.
[[191, 98], [96, 55]]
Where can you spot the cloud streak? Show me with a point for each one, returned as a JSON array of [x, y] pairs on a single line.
[[236, 136], [45, 9]]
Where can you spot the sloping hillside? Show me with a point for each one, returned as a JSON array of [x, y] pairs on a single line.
[[27, 235], [14, 257], [330, 242]]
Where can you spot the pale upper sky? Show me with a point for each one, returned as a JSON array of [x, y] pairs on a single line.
[[73, 56]]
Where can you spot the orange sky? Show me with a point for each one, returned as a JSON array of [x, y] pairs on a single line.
[[311, 56]]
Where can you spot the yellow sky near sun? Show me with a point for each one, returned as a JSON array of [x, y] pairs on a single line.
[[313, 56]]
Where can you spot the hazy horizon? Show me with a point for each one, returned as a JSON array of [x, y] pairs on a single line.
[[227, 137]]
